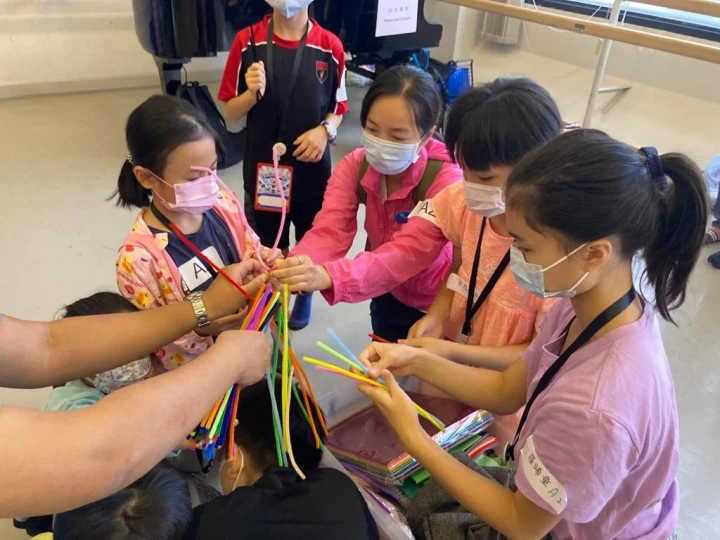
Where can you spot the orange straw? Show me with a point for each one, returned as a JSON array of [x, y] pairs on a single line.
[[305, 399], [231, 436], [254, 307], [312, 394]]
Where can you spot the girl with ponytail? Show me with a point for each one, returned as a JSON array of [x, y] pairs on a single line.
[[597, 446]]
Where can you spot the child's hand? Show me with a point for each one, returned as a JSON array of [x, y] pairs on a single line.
[[255, 78], [399, 359], [223, 299], [437, 346], [428, 326], [397, 407], [311, 145], [271, 256]]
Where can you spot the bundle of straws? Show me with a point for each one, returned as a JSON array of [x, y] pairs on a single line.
[[269, 311], [352, 361]]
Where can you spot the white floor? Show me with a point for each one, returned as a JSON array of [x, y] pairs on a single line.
[[58, 236]]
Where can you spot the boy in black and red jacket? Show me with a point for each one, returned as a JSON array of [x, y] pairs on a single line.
[[292, 90]]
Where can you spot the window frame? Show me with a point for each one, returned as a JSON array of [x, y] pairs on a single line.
[[636, 18]]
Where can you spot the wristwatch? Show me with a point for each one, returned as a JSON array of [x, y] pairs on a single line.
[[198, 306], [331, 131]]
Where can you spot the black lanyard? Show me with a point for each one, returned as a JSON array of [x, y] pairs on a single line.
[[586, 335], [472, 308], [281, 122]]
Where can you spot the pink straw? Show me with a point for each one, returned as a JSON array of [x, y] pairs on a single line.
[[276, 165]]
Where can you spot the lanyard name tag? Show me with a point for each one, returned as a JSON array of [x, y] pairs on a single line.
[[267, 194]]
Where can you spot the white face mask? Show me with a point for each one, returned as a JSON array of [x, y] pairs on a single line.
[[388, 157], [289, 8], [483, 200], [530, 276]]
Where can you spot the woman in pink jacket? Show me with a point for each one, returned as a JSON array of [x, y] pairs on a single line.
[[399, 167]]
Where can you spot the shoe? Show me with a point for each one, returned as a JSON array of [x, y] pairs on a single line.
[[713, 259], [300, 316]]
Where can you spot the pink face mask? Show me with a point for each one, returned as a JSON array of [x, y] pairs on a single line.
[[194, 197]]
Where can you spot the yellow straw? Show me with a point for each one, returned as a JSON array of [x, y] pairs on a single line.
[[422, 412], [288, 443]]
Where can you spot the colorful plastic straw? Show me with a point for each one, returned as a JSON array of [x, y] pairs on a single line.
[[335, 369]]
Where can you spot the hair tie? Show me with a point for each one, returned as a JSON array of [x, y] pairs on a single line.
[[654, 166]]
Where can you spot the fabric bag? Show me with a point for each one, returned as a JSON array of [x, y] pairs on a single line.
[[233, 144]]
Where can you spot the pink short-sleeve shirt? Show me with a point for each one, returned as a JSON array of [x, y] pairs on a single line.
[[600, 445]]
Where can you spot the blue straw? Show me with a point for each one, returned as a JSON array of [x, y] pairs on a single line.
[[347, 351]]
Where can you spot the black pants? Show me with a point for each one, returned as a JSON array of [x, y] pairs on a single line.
[[390, 318], [266, 224]]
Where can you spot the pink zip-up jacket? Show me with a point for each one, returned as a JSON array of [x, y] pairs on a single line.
[[412, 273], [148, 277]]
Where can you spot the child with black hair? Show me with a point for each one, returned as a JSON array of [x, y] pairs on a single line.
[[263, 500], [170, 175], [157, 507], [83, 393], [597, 447]]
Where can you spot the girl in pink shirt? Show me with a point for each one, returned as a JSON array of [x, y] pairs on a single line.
[[596, 453], [400, 164]]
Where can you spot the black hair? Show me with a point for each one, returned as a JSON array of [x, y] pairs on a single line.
[[587, 186], [254, 431], [102, 303], [157, 507], [499, 122], [416, 86], [154, 130]]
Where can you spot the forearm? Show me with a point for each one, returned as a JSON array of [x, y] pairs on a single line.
[[238, 107], [500, 508], [46, 354], [479, 388], [94, 452], [334, 119], [495, 358]]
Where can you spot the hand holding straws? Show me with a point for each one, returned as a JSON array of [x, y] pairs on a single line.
[[218, 426], [324, 366]]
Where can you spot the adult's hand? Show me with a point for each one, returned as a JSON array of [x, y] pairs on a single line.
[[101, 449], [301, 274], [255, 353], [223, 299]]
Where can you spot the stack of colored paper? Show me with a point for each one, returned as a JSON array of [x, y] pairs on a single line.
[[366, 441]]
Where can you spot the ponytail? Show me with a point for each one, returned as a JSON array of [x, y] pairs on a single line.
[[154, 130], [671, 257], [130, 193], [587, 186]]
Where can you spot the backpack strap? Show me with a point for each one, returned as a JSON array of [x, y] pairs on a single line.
[[432, 168], [362, 194]]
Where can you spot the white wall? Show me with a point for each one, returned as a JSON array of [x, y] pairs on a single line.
[[52, 46]]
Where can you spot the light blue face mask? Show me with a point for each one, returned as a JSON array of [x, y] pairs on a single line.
[[531, 276], [289, 8]]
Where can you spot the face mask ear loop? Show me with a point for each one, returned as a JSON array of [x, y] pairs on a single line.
[[242, 466], [566, 257]]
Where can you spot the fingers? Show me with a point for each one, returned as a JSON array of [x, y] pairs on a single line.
[[300, 139], [253, 286], [302, 148], [379, 395], [390, 381], [371, 354]]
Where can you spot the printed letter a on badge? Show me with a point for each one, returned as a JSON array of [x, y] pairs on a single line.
[[424, 209], [542, 481]]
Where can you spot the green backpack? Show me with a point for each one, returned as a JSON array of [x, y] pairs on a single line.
[[431, 171], [432, 168]]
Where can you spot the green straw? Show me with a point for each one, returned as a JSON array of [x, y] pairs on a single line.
[[303, 411], [276, 341], [220, 414], [341, 357], [275, 418]]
